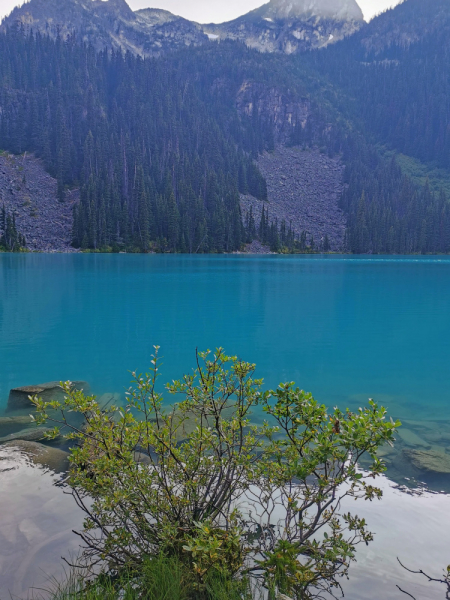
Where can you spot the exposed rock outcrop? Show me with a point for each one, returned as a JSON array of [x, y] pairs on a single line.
[[287, 26], [280, 111], [292, 26], [30, 193], [19, 397], [338, 10], [109, 24]]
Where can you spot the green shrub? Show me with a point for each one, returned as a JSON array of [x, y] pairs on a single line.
[[201, 484]]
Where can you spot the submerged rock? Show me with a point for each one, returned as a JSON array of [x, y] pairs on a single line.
[[19, 397], [33, 434], [412, 439], [12, 424], [429, 460], [109, 399], [54, 458], [430, 425], [15, 421], [438, 437]]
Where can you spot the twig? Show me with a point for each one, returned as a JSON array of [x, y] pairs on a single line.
[[420, 572], [407, 593]]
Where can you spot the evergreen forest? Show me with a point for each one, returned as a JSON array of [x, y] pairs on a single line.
[[160, 151]]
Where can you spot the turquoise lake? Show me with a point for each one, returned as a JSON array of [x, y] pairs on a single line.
[[344, 328]]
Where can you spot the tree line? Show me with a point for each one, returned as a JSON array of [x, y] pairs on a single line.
[[155, 169], [11, 239]]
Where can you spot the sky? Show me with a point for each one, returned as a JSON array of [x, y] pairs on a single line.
[[215, 11]]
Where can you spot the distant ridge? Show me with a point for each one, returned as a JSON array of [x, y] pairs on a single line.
[[287, 26], [109, 24]]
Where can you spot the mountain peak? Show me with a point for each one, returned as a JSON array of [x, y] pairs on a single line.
[[339, 10]]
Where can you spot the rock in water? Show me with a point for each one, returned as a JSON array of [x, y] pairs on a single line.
[[14, 423], [429, 460], [109, 399], [19, 397], [54, 458], [412, 439], [33, 434]]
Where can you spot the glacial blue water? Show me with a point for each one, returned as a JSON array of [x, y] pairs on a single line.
[[346, 328]]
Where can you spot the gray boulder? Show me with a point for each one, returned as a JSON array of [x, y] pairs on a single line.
[[54, 458], [19, 397]]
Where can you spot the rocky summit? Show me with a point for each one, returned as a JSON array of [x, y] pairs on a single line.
[[339, 10], [108, 24], [287, 26], [292, 26]]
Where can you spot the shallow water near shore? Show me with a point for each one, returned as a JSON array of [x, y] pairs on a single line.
[[345, 328]]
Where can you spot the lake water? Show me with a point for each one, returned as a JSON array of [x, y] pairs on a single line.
[[345, 328]]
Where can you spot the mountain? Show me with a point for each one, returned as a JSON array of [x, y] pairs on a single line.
[[391, 81], [395, 70], [287, 26], [292, 26], [108, 24], [343, 147]]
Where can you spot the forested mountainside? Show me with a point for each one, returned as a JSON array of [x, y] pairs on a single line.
[[153, 166], [393, 80], [396, 71], [165, 151]]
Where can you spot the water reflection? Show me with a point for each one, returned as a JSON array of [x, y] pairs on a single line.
[[36, 523], [37, 519]]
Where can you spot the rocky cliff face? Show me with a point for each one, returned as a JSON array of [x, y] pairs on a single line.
[[287, 26], [292, 26], [273, 107], [109, 24]]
